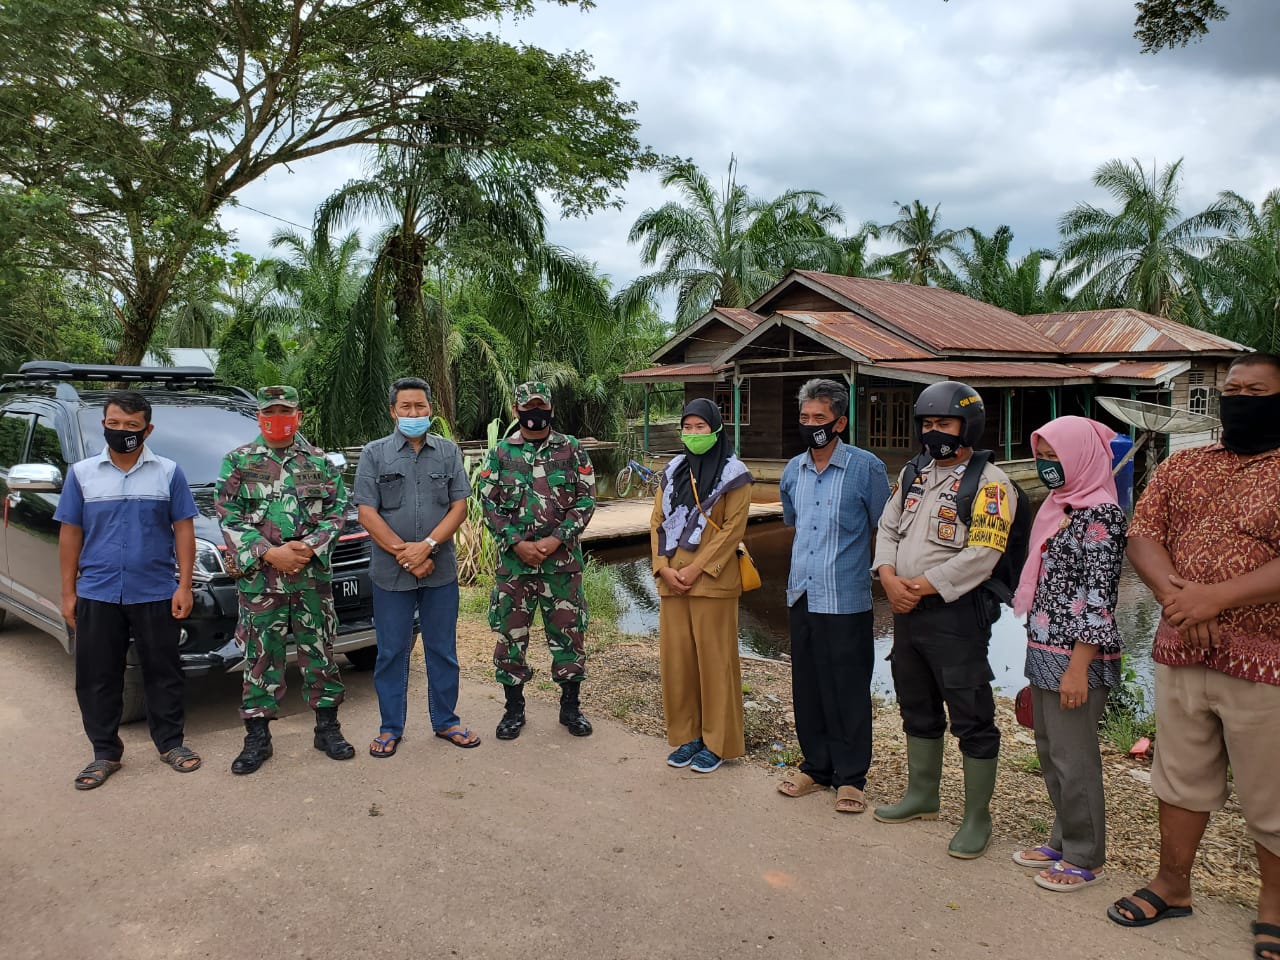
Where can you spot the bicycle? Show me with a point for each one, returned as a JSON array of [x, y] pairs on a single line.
[[640, 474]]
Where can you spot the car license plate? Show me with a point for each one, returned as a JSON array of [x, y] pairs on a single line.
[[346, 589]]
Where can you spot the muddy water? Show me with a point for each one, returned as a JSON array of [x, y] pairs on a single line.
[[762, 616]]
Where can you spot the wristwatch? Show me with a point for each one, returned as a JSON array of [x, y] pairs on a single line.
[[433, 545]]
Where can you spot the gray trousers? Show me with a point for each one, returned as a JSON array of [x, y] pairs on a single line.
[[1067, 742]]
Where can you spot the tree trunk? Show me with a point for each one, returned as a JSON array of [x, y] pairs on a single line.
[[426, 358], [138, 323]]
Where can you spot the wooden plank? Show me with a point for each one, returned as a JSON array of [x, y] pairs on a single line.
[[619, 520]]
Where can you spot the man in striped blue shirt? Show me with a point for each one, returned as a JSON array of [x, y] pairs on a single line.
[[832, 494]]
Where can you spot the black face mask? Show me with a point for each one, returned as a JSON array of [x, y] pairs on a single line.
[[534, 420], [1250, 424], [817, 435], [940, 446], [124, 441]]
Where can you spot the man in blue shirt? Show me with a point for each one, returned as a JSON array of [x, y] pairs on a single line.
[[127, 550], [832, 494]]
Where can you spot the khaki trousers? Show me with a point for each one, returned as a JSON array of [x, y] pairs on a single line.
[[701, 674]]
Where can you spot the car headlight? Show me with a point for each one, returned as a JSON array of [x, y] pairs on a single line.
[[208, 561]]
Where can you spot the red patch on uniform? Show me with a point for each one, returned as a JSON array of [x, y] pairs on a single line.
[[585, 471], [484, 473], [955, 487]]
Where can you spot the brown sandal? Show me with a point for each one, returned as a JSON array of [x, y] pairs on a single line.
[[850, 800], [800, 785]]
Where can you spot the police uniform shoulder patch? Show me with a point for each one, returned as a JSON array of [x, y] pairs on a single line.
[[946, 531], [992, 518]]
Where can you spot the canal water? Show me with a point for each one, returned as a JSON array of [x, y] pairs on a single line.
[[762, 615]]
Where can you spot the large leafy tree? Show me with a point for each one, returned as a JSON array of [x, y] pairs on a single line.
[[129, 124], [1165, 24], [1144, 254], [925, 246], [1246, 274], [726, 247]]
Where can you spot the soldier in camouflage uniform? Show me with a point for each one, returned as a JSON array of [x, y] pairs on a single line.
[[282, 505], [538, 491]]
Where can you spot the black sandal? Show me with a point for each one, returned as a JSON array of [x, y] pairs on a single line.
[[1140, 919], [96, 774], [1261, 929], [179, 756]]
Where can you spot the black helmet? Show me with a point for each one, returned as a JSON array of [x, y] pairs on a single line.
[[951, 398]]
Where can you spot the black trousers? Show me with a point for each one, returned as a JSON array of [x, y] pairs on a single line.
[[832, 658], [940, 657], [103, 631]]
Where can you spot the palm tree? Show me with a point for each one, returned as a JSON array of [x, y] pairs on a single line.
[[442, 203], [726, 248], [1145, 255], [921, 259], [1246, 274], [854, 258], [986, 272]]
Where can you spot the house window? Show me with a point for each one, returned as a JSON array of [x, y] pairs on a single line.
[[724, 400], [1014, 424], [889, 419], [1203, 400]]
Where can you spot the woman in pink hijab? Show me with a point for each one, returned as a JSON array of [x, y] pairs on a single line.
[[1068, 594]]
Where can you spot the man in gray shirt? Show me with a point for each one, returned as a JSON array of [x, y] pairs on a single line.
[[411, 490]]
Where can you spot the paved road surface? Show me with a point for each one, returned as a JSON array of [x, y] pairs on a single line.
[[548, 846]]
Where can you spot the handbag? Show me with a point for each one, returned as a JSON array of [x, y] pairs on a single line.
[[746, 565], [1022, 708]]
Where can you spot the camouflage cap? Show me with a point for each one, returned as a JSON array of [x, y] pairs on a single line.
[[270, 396], [533, 390]]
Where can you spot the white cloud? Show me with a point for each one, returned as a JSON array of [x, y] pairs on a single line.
[[999, 111]]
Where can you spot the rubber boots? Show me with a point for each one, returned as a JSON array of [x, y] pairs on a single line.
[[257, 746], [329, 736], [512, 721], [924, 775], [974, 836], [570, 711]]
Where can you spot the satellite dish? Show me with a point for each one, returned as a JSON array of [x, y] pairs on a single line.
[[1158, 418]]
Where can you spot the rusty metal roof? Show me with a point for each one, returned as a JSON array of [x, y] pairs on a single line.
[[674, 371], [1155, 371], [858, 334], [740, 317], [942, 320], [978, 370], [1092, 332]]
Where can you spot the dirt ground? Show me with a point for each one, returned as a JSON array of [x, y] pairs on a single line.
[[549, 844]]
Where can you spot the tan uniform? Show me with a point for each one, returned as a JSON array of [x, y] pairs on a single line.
[[701, 672]]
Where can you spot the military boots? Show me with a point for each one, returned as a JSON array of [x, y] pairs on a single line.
[[257, 746], [570, 711], [513, 717], [329, 736]]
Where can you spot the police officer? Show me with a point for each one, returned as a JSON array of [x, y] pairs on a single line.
[[932, 566], [282, 505], [538, 491]]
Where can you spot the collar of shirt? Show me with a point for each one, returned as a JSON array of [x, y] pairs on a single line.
[[1217, 447], [552, 439], [840, 457], [145, 457], [428, 441]]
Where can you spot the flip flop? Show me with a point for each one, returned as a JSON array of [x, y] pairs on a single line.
[[850, 795], [1053, 857], [1261, 929], [179, 757], [1087, 878], [802, 785], [96, 773], [385, 740], [459, 738], [1140, 919]]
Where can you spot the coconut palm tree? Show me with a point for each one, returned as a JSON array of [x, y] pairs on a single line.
[[921, 260], [1144, 255], [1246, 272], [727, 247]]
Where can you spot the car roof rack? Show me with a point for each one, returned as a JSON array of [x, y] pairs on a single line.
[[61, 373]]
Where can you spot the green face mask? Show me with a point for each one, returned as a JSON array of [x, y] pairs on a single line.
[[699, 443], [1051, 473]]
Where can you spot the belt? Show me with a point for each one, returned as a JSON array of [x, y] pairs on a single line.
[[930, 601]]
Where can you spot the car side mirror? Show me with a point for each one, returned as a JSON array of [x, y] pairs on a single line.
[[337, 458], [35, 478]]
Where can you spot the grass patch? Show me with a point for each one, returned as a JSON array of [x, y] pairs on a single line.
[[599, 584], [1127, 718], [473, 600], [747, 690], [1027, 763], [546, 686], [622, 707]]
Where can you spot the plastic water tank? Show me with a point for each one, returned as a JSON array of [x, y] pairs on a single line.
[[1120, 446]]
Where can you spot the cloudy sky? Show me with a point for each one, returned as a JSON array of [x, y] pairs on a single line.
[[1000, 110]]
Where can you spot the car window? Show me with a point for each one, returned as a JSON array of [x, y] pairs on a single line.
[[46, 445], [13, 438], [195, 436]]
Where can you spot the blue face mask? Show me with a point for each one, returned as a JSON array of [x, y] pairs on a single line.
[[413, 427]]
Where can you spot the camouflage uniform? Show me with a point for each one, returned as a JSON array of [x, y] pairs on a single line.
[[530, 490], [267, 497]]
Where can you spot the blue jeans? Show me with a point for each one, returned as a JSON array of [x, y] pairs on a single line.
[[393, 611]]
